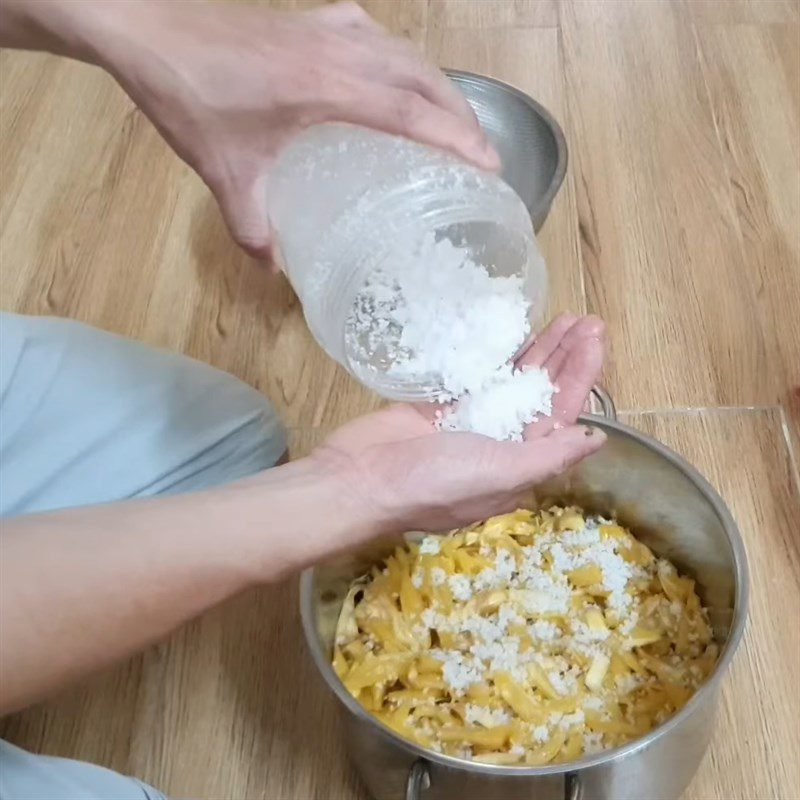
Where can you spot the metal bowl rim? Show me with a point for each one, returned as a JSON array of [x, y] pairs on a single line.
[[544, 202], [741, 596]]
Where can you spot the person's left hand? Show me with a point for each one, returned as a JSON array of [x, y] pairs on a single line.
[[408, 476], [229, 85]]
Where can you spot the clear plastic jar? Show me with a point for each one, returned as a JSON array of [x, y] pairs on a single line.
[[345, 200]]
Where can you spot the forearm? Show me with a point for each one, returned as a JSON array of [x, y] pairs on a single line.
[[82, 588], [101, 32], [63, 27]]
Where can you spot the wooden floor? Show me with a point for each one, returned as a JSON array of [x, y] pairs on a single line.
[[679, 223]]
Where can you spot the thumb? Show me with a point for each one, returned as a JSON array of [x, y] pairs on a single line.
[[245, 213], [542, 458]]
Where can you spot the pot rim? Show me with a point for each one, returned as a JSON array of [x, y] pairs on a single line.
[[741, 595], [540, 207]]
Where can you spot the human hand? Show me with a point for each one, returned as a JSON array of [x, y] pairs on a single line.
[[229, 86], [404, 473]]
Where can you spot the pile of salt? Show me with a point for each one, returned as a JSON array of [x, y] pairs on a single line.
[[440, 314], [504, 405]]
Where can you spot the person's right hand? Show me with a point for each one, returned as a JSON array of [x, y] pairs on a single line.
[[228, 86]]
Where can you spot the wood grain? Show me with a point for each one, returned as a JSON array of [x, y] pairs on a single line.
[[762, 167], [663, 244], [481, 15], [755, 753], [406, 18], [742, 11]]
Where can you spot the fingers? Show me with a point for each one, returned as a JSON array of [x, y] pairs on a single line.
[[542, 458], [245, 213], [403, 112], [544, 344], [403, 65], [573, 361], [437, 89], [575, 368], [406, 70], [398, 91], [574, 340], [409, 114], [571, 349]]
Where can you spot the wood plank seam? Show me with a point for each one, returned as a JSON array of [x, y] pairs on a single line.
[[698, 409]]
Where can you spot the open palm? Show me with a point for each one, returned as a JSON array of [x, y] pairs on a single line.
[[411, 476]]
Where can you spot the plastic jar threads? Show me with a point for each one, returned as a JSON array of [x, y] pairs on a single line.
[[345, 201]]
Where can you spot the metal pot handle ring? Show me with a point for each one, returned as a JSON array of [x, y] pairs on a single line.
[[572, 786], [418, 779], [607, 407]]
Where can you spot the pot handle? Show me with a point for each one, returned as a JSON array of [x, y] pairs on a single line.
[[607, 407], [572, 788], [418, 779]]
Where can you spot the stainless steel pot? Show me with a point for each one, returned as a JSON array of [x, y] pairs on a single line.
[[674, 510], [529, 140]]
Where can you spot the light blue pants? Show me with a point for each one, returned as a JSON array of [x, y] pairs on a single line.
[[89, 417]]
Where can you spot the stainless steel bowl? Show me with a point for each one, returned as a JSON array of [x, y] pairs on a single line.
[[530, 142], [674, 510]]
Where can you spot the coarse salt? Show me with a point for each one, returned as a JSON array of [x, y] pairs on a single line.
[[590, 534], [430, 545], [593, 743], [460, 586], [507, 615], [564, 684], [559, 683], [442, 315], [488, 717], [544, 630], [630, 623], [485, 629], [593, 703], [583, 634], [433, 619], [438, 576], [501, 409], [437, 316], [540, 733], [501, 656], [459, 671], [568, 720], [499, 574]]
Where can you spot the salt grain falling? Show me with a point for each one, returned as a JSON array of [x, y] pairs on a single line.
[[438, 313]]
